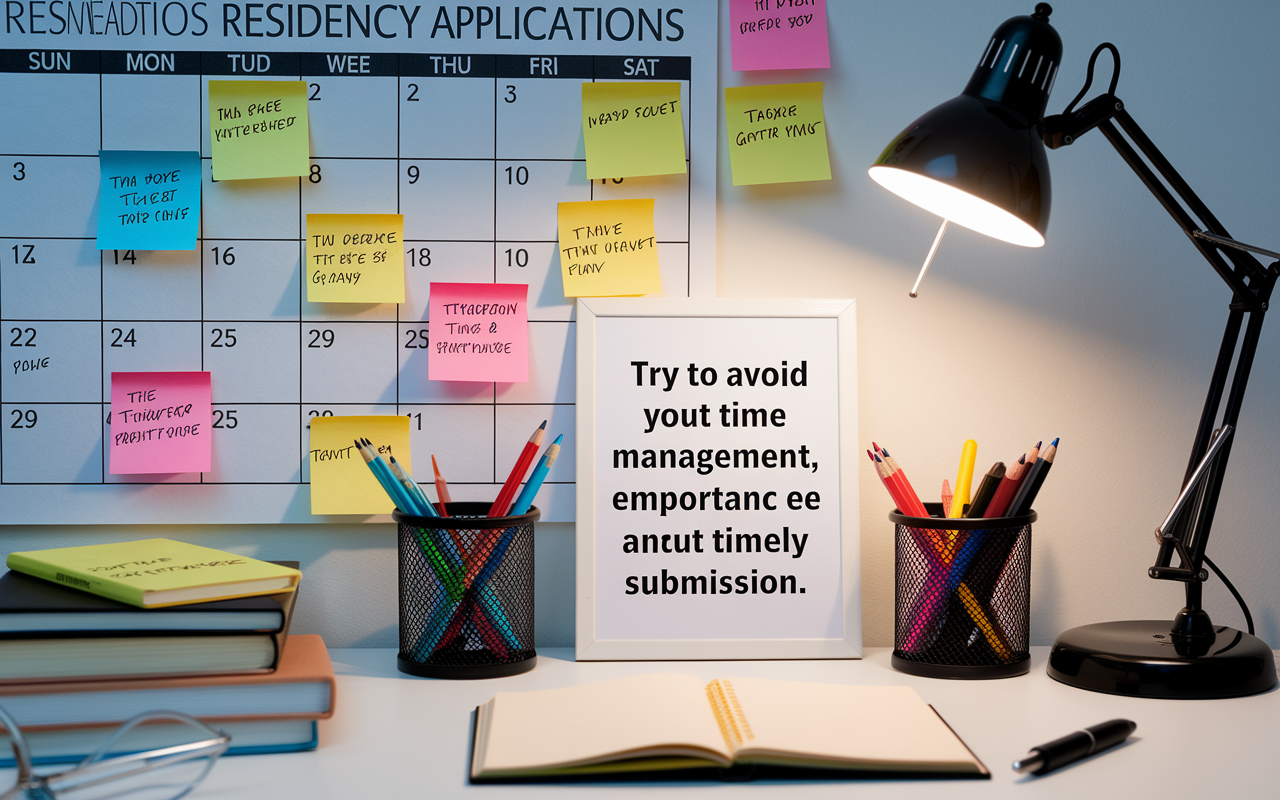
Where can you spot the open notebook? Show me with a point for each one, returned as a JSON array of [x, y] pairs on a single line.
[[666, 722]]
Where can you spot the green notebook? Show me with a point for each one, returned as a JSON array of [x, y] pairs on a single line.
[[152, 573]]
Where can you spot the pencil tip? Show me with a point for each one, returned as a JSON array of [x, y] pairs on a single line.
[[1039, 443], [558, 438], [1054, 443], [1022, 459], [543, 426], [870, 456]]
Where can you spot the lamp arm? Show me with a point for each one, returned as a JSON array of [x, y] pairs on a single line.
[[1251, 284]]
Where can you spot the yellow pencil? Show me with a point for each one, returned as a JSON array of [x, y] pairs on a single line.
[[964, 479]]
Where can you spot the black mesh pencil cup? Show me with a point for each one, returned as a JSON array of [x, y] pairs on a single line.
[[466, 593], [962, 595]]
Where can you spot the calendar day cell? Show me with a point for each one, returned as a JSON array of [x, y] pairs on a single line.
[[446, 117], [51, 279], [349, 186], [537, 264], [33, 125], [310, 411], [253, 362], [673, 268], [152, 284], [349, 362], [129, 121], [51, 442], [460, 437], [251, 280], [670, 194], [527, 194], [49, 196], [255, 443], [205, 144], [553, 108], [450, 200], [512, 426], [149, 347], [352, 117], [441, 262], [414, 385], [51, 361], [552, 348], [365, 312], [261, 209]]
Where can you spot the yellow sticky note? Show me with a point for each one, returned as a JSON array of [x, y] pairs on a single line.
[[777, 133], [632, 129], [258, 129], [341, 481], [607, 248], [355, 258]]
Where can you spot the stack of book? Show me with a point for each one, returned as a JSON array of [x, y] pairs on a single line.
[[91, 636]]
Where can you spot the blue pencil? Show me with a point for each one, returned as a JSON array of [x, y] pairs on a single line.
[[531, 486]]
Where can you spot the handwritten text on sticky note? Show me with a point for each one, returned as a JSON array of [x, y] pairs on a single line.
[[148, 199], [777, 133], [632, 129], [160, 422], [341, 481], [779, 34], [607, 247], [479, 332], [258, 129], [355, 258]]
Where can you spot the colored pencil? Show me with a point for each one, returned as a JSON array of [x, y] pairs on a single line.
[[964, 479], [518, 472], [947, 497], [422, 504], [442, 488], [986, 490], [1021, 503], [525, 500], [1007, 489], [900, 476], [388, 481]]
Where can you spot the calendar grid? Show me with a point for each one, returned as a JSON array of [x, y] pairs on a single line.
[[231, 307]]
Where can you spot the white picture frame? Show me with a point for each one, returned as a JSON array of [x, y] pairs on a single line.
[[607, 628]]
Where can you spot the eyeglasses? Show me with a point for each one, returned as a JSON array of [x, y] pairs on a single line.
[[118, 770]]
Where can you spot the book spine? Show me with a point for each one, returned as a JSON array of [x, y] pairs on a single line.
[[76, 579]]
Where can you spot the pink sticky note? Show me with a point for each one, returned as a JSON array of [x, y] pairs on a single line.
[[779, 34], [479, 332], [160, 422]]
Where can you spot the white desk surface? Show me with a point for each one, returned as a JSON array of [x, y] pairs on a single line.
[[397, 736]]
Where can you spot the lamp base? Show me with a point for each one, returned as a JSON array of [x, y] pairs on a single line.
[[1140, 658]]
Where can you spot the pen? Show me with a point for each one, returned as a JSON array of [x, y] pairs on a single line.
[[1074, 746]]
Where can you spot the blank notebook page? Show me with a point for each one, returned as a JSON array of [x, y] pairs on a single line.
[[577, 723]]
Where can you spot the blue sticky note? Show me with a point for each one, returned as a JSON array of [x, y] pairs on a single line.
[[148, 199]]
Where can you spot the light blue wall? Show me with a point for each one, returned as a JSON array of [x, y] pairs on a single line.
[[1104, 337]]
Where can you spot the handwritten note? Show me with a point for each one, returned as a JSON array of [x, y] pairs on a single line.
[[160, 422], [779, 34], [341, 481], [777, 133], [607, 248], [632, 129], [258, 129], [355, 258], [479, 332], [148, 199]]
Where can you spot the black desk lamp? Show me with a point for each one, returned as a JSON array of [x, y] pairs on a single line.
[[978, 160]]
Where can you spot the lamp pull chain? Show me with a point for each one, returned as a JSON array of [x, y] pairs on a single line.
[[929, 258]]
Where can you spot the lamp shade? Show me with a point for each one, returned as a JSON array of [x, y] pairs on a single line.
[[978, 159]]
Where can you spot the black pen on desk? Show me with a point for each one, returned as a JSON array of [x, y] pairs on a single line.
[[1074, 746]]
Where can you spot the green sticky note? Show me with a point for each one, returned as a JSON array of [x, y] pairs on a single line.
[[632, 128], [258, 129], [777, 133]]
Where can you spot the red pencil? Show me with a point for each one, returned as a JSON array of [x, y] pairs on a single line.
[[1009, 484], [442, 488], [518, 472], [882, 471], [896, 473]]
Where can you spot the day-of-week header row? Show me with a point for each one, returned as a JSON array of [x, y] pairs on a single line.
[[376, 65]]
